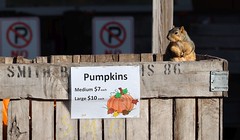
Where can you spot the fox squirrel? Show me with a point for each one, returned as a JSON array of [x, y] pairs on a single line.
[[181, 47]]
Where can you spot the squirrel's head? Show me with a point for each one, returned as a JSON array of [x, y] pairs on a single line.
[[176, 34]]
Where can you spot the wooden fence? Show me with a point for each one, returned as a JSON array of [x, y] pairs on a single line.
[[176, 101]]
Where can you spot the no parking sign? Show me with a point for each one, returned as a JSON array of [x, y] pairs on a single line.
[[113, 35], [20, 37]]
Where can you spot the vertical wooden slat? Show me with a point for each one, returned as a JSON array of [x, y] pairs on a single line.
[[106, 58], [159, 57], [18, 111], [42, 115], [162, 21], [113, 128], [86, 58], [18, 122], [76, 58], [185, 119], [1, 125], [138, 128], [42, 120], [146, 57], [129, 58], [3, 129], [61, 59], [6, 60], [41, 60], [89, 129], [161, 119], [22, 60], [225, 68], [129, 125], [221, 118], [66, 128], [208, 117], [134, 126]]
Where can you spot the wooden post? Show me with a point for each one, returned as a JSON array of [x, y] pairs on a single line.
[[162, 23]]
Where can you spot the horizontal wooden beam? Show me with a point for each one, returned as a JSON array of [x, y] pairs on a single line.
[[162, 79]]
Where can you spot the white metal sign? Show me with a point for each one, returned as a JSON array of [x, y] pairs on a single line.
[[20, 37], [113, 35], [105, 92]]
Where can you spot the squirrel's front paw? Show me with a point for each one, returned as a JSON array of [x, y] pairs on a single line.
[[176, 51], [178, 59]]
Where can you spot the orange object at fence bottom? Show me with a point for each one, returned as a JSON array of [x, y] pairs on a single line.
[[5, 111]]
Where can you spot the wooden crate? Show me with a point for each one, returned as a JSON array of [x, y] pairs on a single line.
[[176, 101]]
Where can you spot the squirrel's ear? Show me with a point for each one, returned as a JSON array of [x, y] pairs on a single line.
[[173, 26], [182, 28]]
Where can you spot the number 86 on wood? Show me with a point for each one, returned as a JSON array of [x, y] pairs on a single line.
[[172, 69]]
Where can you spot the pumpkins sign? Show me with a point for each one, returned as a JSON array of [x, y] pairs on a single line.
[[105, 92]]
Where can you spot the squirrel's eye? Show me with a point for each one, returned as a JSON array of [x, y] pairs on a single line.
[[176, 33]]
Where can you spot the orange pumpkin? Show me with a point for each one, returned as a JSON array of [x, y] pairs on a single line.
[[124, 103]]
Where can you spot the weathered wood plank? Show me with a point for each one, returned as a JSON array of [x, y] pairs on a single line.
[[66, 128], [138, 128], [185, 119], [161, 119], [18, 122], [50, 81], [209, 119], [3, 129], [89, 128], [64, 70], [43, 120], [162, 12], [186, 79], [40, 60], [106, 58], [114, 129], [61, 59], [76, 58], [18, 111], [8, 60], [159, 57], [129, 58], [221, 118], [1, 126], [87, 58], [22, 60], [35, 81], [146, 57]]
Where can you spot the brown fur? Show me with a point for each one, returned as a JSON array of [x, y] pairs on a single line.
[[181, 47]]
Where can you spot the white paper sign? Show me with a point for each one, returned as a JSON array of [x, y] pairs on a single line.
[[105, 92]]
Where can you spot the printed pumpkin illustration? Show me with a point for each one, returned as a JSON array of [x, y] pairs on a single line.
[[121, 102]]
